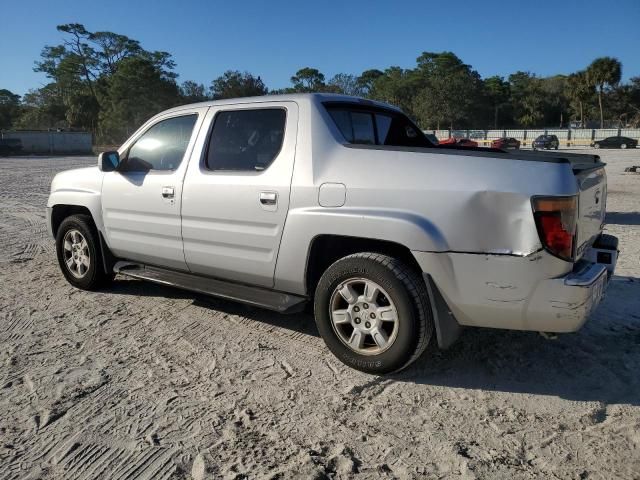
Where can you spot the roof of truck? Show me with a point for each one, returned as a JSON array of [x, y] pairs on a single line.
[[295, 97]]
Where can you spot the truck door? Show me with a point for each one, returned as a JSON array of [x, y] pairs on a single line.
[[141, 200], [235, 200]]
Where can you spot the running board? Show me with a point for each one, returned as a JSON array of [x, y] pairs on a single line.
[[256, 296]]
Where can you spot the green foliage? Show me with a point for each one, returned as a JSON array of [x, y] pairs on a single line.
[[346, 84], [233, 84], [42, 108], [9, 108], [578, 92], [396, 86], [448, 90], [308, 80], [367, 79], [498, 93], [604, 72], [527, 98], [134, 93], [109, 84], [86, 72], [192, 92]]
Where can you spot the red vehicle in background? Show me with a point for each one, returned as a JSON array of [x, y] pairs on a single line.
[[458, 142], [506, 143]]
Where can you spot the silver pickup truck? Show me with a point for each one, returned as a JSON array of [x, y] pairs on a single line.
[[278, 201]]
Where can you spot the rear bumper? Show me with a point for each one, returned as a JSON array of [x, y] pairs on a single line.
[[519, 293], [564, 304]]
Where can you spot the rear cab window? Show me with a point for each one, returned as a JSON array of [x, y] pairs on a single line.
[[370, 125]]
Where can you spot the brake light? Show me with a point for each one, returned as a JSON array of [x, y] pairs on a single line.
[[556, 223]]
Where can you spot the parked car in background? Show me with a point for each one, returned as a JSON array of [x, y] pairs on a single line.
[[505, 143], [458, 142], [615, 142], [432, 138], [466, 142], [546, 142], [10, 146]]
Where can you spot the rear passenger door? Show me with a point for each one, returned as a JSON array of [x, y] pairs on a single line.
[[236, 198]]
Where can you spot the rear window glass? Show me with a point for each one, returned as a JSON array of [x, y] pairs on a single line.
[[376, 126]]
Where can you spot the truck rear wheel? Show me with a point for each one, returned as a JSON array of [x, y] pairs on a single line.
[[373, 312], [79, 256]]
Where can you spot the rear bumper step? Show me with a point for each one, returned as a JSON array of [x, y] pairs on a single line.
[[256, 296]]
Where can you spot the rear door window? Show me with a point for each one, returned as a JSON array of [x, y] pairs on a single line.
[[246, 140]]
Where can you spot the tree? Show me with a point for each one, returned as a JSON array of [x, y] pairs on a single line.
[[136, 91], [395, 86], [633, 97], [113, 47], [527, 98], [604, 72], [308, 80], [578, 92], [498, 92], [367, 79], [9, 108], [448, 89], [555, 103], [43, 108], [81, 67], [233, 84], [346, 84], [193, 92]]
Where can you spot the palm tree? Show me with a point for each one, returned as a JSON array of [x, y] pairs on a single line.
[[604, 71]]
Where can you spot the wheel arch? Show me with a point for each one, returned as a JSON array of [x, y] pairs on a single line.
[[325, 249], [61, 211]]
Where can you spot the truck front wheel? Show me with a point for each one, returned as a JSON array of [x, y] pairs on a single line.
[[373, 312], [78, 250]]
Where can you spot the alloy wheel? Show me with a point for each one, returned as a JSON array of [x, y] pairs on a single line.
[[76, 253], [363, 316]]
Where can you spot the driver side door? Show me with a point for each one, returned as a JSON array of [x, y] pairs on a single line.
[[141, 200]]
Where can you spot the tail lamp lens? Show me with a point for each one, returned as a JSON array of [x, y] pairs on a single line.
[[556, 223]]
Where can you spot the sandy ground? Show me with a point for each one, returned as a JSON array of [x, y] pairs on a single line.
[[142, 381]]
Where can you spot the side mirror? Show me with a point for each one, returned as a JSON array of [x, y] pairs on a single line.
[[108, 161]]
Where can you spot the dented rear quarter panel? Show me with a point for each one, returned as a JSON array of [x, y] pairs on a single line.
[[431, 200]]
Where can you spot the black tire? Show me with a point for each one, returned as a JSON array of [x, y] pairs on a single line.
[[596, 145], [623, 146], [408, 293], [94, 277]]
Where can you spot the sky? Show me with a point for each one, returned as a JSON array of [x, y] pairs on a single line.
[[274, 39]]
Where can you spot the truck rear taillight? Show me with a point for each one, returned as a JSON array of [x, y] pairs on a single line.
[[556, 223]]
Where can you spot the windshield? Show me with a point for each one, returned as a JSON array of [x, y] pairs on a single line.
[[364, 125]]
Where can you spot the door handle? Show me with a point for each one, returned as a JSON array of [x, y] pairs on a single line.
[[268, 198], [168, 192]]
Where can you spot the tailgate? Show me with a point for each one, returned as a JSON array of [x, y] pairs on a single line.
[[592, 181]]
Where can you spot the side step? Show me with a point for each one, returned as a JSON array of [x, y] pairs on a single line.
[[259, 297]]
